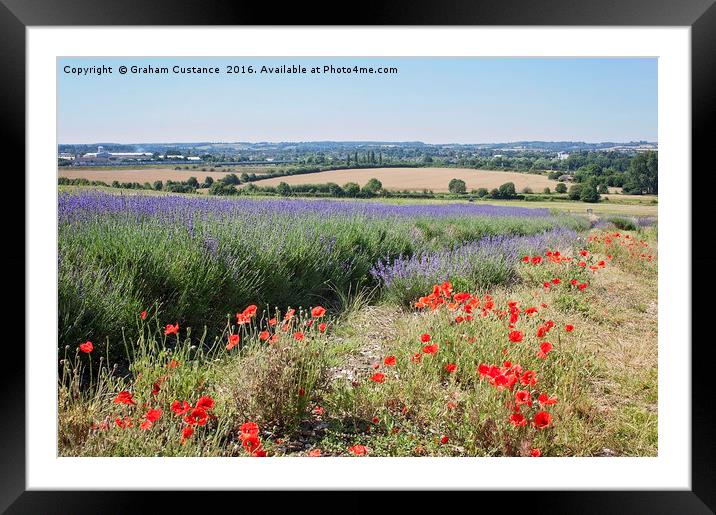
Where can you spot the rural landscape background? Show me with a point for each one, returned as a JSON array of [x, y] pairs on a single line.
[[353, 296]]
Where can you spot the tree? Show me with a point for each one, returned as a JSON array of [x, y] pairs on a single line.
[[482, 192], [334, 189], [603, 188], [589, 191], [372, 187], [351, 189], [547, 191], [283, 189], [642, 175], [575, 191], [158, 185], [244, 177], [561, 187], [191, 181], [507, 190], [457, 186], [427, 159], [231, 179], [208, 181]]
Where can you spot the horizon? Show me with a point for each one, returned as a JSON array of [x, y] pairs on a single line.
[[429, 100]]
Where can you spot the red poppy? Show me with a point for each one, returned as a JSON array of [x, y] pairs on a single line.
[[298, 336], [416, 358], [173, 364], [233, 341], [583, 253], [450, 368], [154, 414], [516, 336], [547, 285], [451, 405], [528, 378], [314, 453], [198, 416], [425, 337], [250, 311], [430, 349], [124, 398], [186, 433], [264, 335], [318, 312], [322, 327], [123, 422], [544, 349], [556, 280], [378, 377], [86, 347], [375, 420], [147, 424], [358, 450], [535, 453], [171, 329], [273, 322], [542, 419], [536, 260], [289, 314], [518, 419], [389, 361], [523, 397], [582, 286], [444, 439], [180, 407], [143, 314], [546, 400], [205, 402], [525, 259], [242, 319]]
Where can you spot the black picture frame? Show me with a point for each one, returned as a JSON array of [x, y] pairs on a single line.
[[700, 15]]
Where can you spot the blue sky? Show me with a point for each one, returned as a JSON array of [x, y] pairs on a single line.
[[434, 100]]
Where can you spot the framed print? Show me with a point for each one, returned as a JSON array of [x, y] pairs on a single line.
[[425, 252]]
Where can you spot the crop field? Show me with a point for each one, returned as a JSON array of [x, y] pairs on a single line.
[[150, 173], [418, 179], [205, 326]]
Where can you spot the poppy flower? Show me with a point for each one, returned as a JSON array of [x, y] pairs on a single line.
[[124, 398], [556, 280], [569, 328], [314, 453], [444, 439], [123, 422], [264, 335], [205, 402], [322, 327], [573, 282], [523, 397], [416, 358], [358, 450], [450, 368], [516, 336], [430, 349], [536, 260], [180, 407], [171, 329], [250, 311], [298, 336], [518, 419], [186, 433], [389, 361], [425, 337], [289, 314], [535, 453], [375, 420], [528, 378], [242, 319], [86, 347], [147, 424], [378, 377], [542, 420], [143, 315], [546, 400], [233, 341], [582, 286], [318, 312], [248, 429], [272, 322], [547, 285], [274, 338], [451, 405], [525, 259], [154, 414], [544, 349], [173, 364], [198, 416]]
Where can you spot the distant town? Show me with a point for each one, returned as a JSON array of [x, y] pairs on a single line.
[[521, 155]]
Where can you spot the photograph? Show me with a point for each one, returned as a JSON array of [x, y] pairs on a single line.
[[345, 256]]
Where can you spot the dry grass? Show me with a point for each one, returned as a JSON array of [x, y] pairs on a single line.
[[151, 174], [418, 179]]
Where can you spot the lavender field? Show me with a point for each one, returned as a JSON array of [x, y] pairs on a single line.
[[195, 259]]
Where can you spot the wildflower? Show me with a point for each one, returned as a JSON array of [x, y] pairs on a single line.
[[389, 361], [205, 402], [298, 336], [248, 429], [416, 358], [86, 347], [143, 315], [378, 377], [314, 453], [569, 328], [516, 336], [523, 397], [233, 341], [536, 260], [318, 312], [451, 405], [450, 368], [444, 439], [375, 420], [425, 337], [272, 322], [124, 398], [171, 329], [430, 349], [154, 414], [322, 327], [173, 364], [582, 286], [123, 422], [180, 407], [546, 400], [242, 319], [542, 420], [318, 410], [186, 433], [535, 453], [147, 424], [544, 349], [289, 314], [198, 416], [518, 419], [358, 450], [250, 311], [264, 335], [528, 378], [556, 280]]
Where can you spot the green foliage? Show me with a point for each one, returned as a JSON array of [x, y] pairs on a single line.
[[457, 186], [560, 188], [575, 192]]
